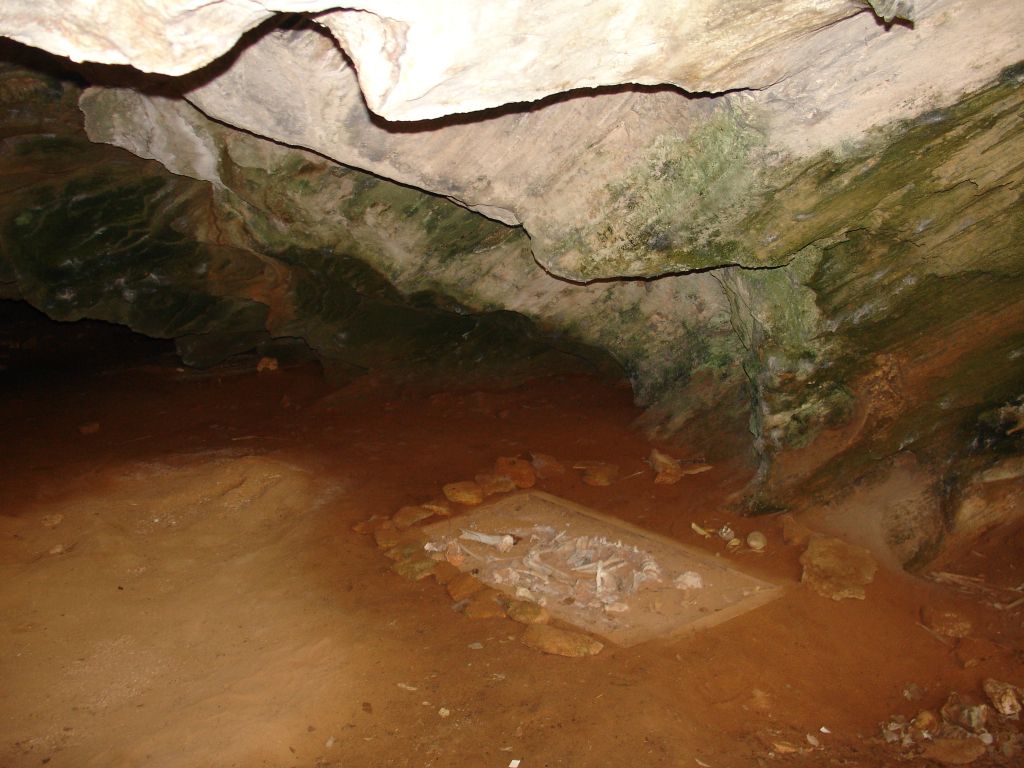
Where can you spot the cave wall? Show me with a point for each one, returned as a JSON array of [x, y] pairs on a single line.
[[821, 263]]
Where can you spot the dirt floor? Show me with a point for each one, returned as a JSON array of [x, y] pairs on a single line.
[[182, 587]]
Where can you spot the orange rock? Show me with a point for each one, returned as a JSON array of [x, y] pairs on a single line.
[[492, 483], [668, 470], [597, 472], [366, 527], [484, 604], [519, 470], [445, 573], [559, 642], [439, 507], [546, 466], [466, 492], [526, 612], [463, 586], [409, 516], [387, 538]]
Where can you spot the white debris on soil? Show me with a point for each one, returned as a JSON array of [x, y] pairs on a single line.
[[540, 565]]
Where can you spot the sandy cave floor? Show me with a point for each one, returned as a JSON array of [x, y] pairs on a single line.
[[202, 600]]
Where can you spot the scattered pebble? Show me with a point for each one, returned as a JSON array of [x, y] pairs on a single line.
[[1005, 698], [266, 364], [444, 712], [526, 612], [463, 587], [492, 483], [407, 517], [597, 473], [667, 468], [406, 687], [953, 751]]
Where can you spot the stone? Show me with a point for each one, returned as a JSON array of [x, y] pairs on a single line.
[[387, 538], [697, 468], [519, 470], [667, 470], [439, 507], [407, 517], [837, 570], [597, 473], [757, 541], [266, 364], [953, 751], [372, 524], [1005, 698], [484, 604], [560, 642], [464, 586], [546, 466], [793, 531], [492, 483], [414, 568], [404, 550], [945, 622], [526, 612], [467, 492], [446, 573]]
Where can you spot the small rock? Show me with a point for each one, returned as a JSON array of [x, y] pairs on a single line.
[[466, 492], [463, 586], [491, 483], [484, 604], [1005, 698], [266, 364], [407, 517], [51, 521], [597, 473], [926, 721], [387, 538], [837, 570], [526, 612], [794, 532], [519, 470], [89, 428], [668, 470], [439, 507], [954, 751], [445, 573], [546, 466], [444, 712], [757, 541], [57, 549], [414, 568], [947, 623], [560, 642], [366, 527]]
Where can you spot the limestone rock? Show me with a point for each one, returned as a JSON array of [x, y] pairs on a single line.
[[407, 517], [546, 466], [1005, 698], [953, 751], [414, 568], [372, 524], [491, 483], [463, 586], [598, 473], [519, 470], [526, 612], [466, 492], [560, 642], [667, 469], [484, 604], [836, 569], [387, 538], [446, 573]]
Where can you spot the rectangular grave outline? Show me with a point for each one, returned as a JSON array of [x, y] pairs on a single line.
[[769, 590]]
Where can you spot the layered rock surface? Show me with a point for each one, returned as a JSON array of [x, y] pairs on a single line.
[[832, 259]]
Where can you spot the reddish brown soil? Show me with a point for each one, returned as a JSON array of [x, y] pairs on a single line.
[[275, 636]]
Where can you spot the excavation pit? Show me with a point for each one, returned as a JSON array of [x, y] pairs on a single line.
[[601, 575]]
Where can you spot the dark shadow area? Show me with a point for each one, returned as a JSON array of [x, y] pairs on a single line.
[[34, 346]]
